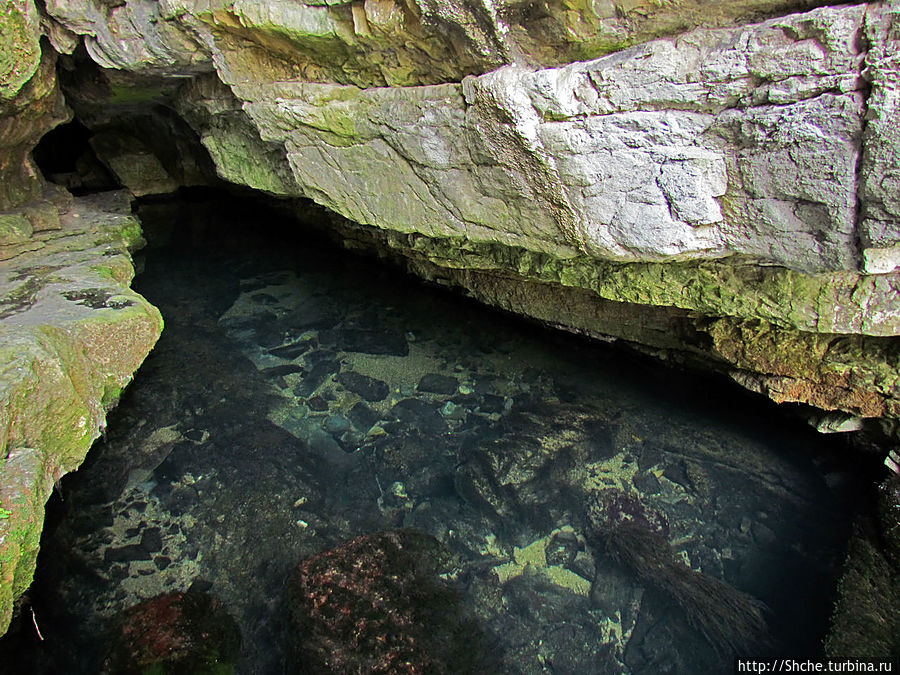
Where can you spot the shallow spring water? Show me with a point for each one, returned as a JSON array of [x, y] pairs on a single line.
[[300, 397]]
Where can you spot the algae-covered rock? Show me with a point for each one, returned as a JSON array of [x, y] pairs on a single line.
[[174, 633], [72, 333], [375, 604], [20, 50]]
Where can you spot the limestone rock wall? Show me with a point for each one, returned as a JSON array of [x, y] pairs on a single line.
[[879, 230], [705, 146]]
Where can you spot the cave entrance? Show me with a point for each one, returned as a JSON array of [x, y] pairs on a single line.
[[66, 157], [583, 507]]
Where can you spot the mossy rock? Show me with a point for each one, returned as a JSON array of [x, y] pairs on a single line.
[[20, 50], [71, 336]]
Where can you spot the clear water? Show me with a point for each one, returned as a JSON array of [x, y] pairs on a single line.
[[247, 443]]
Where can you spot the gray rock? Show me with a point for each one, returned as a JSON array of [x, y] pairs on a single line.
[[363, 417], [647, 483], [366, 387], [435, 383], [336, 424], [880, 166]]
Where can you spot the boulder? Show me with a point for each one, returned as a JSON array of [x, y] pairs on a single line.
[[72, 334]]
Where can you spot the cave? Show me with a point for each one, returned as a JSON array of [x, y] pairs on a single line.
[[446, 339]]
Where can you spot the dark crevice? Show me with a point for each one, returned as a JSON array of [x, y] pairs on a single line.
[[65, 157], [863, 45]]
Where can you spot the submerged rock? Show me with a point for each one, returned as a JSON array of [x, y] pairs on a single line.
[[376, 605], [435, 383], [369, 388], [188, 632]]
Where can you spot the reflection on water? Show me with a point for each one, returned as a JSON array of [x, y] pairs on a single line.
[[596, 513]]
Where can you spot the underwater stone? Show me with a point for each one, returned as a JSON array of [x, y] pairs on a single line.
[[324, 444], [126, 554], [420, 414], [151, 540], [647, 483], [435, 383], [281, 371], [315, 377], [336, 424], [368, 388], [174, 632], [363, 417], [318, 404], [291, 351], [376, 604], [491, 403]]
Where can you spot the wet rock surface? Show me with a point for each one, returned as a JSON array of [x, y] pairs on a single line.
[[72, 333], [377, 605], [255, 440], [175, 632]]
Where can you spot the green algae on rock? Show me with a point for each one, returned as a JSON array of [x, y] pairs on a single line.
[[20, 51], [63, 362]]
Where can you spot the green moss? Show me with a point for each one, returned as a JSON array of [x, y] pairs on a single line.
[[854, 373], [122, 95], [20, 51], [838, 302], [15, 228], [111, 394], [594, 49], [118, 273], [132, 235], [337, 119], [246, 159]]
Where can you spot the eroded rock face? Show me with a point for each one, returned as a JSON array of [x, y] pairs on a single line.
[[27, 115], [72, 333], [704, 146], [880, 168]]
